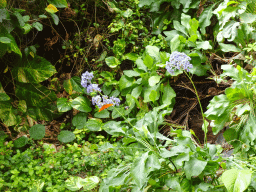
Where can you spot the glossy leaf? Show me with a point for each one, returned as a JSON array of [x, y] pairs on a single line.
[[37, 132], [113, 128], [102, 114], [82, 104], [66, 136], [35, 95], [153, 52], [168, 95], [125, 82], [236, 180], [112, 62], [3, 95], [47, 113], [131, 73], [94, 124], [8, 114], [229, 48], [33, 71], [205, 18], [63, 105], [153, 80], [139, 171], [55, 18], [194, 167], [38, 26], [73, 84]]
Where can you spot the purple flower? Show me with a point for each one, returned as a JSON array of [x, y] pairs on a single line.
[[97, 100], [86, 78], [178, 61], [93, 88]]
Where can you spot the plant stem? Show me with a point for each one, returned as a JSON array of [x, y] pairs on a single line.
[[202, 112]]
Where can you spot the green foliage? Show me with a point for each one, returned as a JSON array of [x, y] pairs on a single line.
[[238, 101]]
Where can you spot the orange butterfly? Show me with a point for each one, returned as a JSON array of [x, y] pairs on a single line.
[[105, 107]]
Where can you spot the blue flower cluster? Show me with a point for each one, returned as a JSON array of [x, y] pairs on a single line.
[[86, 78], [178, 61], [97, 100]]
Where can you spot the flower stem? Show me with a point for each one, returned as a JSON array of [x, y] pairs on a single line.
[[202, 112]]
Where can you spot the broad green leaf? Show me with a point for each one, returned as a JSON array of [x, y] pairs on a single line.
[[8, 114], [4, 14], [5, 40], [79, 120], [153, 95], [185, 21], [90, 182], [168, 95], [27, 27], [33, 71], [10, 46], [248, 133], [55, 18], [175, 43], [236, 180], [205, 45], [116, 114], [173, 183], [112, 62], [114, 128], [20, 142], [140, 64], [248, 17], [37, 132], [136, 91], [180, 27], [74, 183], [229, 48], [193, 27], [139, 171], [47, 113], [152, 163], [93, 124], [35, 95], [145, 2], [153, 80], [19, 18], [151, 91], [148, 61], [194, 167], [38, 26], [58, 3], [131, 73], [3, 95], [82, 104], [219, 110], [73, 84], [102, 114], [205, 18], [22, 106], [153, 52], [125, 82], [198, 69], [63, 105], [127, 13], [66, 136], [131, 56]]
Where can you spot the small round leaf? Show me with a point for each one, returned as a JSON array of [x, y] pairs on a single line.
[[20, 142], [37, 132], [66, 136]]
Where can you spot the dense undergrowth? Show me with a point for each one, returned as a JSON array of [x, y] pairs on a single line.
[[108, 95]]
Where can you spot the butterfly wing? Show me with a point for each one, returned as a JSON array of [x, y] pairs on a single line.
[[105, 107]]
